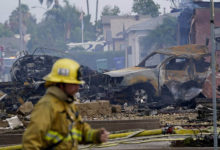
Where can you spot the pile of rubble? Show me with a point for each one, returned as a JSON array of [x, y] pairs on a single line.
[[205, 109], [94, 109], [103, 110], [88, 110]]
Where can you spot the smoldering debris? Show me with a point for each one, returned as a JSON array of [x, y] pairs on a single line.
[[31, 68], [205, 109], [27, 84]]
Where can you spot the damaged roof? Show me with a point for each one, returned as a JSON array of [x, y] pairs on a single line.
[[192, 50]]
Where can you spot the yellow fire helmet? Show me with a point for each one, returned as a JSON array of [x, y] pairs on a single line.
[[65, 70]]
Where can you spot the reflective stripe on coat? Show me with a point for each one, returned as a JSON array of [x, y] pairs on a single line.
[[54, 120]]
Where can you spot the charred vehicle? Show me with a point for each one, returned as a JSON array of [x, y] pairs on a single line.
[[27, 84], [169, 74]]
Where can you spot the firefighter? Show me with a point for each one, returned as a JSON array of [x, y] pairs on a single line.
[[55, 121]]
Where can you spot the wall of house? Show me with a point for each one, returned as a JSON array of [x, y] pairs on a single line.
[[119, 44], [201, 29], [117, 25], [134, 37], [120, 24], [106, 27], [202, 24]]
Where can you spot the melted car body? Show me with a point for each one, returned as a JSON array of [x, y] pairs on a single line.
[[169, 74]]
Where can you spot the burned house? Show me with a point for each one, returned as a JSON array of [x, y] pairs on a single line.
[[200, 29], [194, 23]]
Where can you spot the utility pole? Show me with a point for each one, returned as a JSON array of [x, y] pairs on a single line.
[[87, 2], [20, 26], [213, 46], [96, 16], [82, 24]]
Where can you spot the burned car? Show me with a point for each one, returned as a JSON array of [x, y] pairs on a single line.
[[169, 74], [27, 83]]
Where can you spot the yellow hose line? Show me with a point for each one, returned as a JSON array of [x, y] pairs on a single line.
[[14, 147], [136, 139], [136, 142], [127, 134], [156, 132], [119, 135], [154, 140], [144, 133], [150, 132], [188, 131], [106, 145]]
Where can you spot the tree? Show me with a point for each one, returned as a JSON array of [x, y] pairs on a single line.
[[162, 36], [109, 11], [175, 3], [5, 31], [61, 26], [50, 2], [146, 7], [87, 4], [66, 18], [27, 20]]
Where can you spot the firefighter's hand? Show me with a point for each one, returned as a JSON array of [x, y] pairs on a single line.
[[104, 135]]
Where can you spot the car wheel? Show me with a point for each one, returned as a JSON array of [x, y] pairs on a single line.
[[140, 96]]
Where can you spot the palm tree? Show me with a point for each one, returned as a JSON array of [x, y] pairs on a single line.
[[26, 21], [49, 2], [67, 16], [96, 16], [87, 3], [175, 3]]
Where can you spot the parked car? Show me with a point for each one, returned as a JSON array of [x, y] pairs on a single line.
[[169, 74]]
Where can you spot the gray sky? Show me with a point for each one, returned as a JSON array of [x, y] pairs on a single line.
[[7, 6]]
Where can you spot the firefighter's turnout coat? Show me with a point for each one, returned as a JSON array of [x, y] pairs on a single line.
[[56, 124]]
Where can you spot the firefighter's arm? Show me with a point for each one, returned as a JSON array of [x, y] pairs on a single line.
[[93, 135], [90, 135], [40, 123]]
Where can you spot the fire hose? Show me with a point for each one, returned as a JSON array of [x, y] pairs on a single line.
[[155, 135]]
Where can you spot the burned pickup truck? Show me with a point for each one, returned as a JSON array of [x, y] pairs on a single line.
[[169, 74]]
